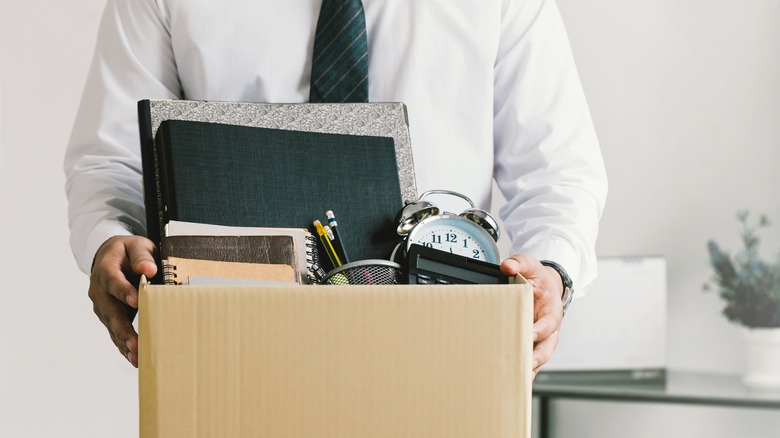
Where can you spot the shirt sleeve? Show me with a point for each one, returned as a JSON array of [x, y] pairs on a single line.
[[133, 60], [548, 163]]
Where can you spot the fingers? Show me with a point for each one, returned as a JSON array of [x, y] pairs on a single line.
[[548, 308], [543, 278], [548, 312], [109, 280], [549, 315], [522, 264], [114, 315], [139, 252], [543, 351], [114, 296], [118, 258], [545, 325]]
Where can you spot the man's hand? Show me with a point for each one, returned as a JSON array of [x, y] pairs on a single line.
[[548, 308], [119, 263]]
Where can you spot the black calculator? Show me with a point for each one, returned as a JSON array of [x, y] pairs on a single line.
[[432, 266]]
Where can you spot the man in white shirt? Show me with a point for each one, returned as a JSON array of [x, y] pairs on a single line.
[[491, 89]]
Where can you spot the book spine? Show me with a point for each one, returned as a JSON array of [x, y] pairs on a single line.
[[151, 181], [150, 172]]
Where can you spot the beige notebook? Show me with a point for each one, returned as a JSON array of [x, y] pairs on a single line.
[[177, 270]]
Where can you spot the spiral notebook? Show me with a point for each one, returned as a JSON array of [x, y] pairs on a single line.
[[293, 246], [255, 257], [180, 271]]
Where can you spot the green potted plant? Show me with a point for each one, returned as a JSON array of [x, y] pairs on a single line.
[[750, 288]]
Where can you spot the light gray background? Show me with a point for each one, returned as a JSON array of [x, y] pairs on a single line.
[[686, 98]]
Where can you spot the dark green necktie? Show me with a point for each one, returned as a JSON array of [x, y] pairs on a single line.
[[339, 71]]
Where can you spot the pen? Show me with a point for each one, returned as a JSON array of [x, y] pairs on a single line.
[[337, 242], [329, 250]]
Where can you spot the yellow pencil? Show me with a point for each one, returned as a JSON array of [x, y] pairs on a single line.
[[334, 258]]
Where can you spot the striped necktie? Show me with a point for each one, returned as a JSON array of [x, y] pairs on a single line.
[[339, 70]]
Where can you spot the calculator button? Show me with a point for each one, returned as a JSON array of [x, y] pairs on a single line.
[[442, 281], [423, 279]]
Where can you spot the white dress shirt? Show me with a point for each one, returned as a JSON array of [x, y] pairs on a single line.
[[490, 85]]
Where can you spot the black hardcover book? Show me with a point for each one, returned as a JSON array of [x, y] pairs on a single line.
[[151, 183], [248, 176]]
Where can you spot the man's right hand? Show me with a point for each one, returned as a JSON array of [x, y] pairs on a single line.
[[119, 263]]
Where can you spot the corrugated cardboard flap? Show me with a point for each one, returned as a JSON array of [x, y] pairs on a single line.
[[335, 361]]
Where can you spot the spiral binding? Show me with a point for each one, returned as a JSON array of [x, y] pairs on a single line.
[[312, 259], [169, 273]]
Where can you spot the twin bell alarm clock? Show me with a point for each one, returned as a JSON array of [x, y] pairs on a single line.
[[471, 234]]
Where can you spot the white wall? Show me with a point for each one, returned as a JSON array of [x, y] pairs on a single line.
[[685, 97], [59, 374]]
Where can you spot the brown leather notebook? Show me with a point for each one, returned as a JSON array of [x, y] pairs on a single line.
[[267, 250]]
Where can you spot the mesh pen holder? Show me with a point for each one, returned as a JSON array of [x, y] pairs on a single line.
[[364, 272]]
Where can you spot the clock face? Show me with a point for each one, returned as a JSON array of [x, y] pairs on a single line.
[[455, 235]]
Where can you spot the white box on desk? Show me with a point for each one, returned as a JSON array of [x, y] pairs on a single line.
[[620, 323]]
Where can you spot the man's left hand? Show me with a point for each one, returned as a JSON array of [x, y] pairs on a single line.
[[548, 308]]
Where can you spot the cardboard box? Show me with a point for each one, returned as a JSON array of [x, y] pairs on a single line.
[[335, 361]]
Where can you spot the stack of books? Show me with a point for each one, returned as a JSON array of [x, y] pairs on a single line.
[[249, 179]]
